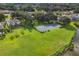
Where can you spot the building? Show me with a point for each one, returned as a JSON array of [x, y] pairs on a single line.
[[6, 11]]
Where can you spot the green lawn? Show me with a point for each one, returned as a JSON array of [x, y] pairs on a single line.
[[23, 42]]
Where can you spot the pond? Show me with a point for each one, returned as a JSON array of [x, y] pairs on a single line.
[[43, 28]]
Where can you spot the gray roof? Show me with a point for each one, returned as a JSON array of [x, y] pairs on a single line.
[[1, 26], [16, 21], [75, 17], [13, 22], [62, 17], [10, 22]]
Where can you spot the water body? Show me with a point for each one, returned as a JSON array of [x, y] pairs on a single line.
[[43, 28], [75, 51]]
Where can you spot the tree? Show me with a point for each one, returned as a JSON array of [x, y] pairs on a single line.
[[76, 11], [25, 18], [48, 17], [64, 20], [2, 17]]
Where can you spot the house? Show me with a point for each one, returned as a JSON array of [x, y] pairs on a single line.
[[1, 28], [61, 18], [75, 17], [16, 21], [13, 22], [6, 11], [1, 25]]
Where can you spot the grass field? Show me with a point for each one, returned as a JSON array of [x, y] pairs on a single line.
[[23, 42]]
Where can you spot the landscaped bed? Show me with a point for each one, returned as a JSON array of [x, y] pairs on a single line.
[[23, 42]]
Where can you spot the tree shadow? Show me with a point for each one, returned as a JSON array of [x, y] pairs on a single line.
[[30, 28], [2, 37], [69, 27]]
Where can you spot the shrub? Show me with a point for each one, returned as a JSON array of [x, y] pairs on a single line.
[[16, 35], [22, 32], [76, 24], [12, 37]]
